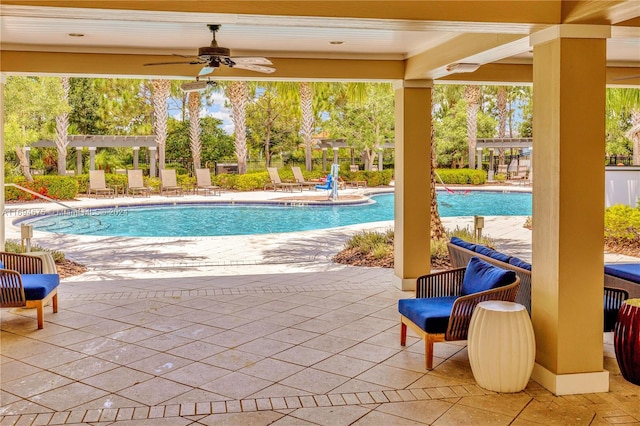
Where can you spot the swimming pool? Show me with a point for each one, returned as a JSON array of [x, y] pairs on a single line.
[[191, 220]]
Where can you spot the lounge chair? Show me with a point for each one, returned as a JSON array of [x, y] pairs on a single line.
[[98, 185], [299, 177], [503, 169], [276, 183], [135, 184], [22, 284], [168, 182], [203, 177], [445, 302]]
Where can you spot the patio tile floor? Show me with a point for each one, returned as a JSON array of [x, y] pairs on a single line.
[[303, 343]]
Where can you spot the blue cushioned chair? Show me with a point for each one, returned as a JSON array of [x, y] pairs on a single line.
[[24, 285], [445, 302]]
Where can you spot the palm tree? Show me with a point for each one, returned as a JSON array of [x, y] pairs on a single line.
[[472, 96], [194, 128], [62, 129], [160, 95], [502, 119], [627, 100], [238, 94], [308, 118]]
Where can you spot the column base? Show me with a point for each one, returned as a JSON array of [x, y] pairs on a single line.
[[404, 284], [571, 384]]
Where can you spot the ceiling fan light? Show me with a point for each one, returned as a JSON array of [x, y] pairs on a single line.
[[336, 42]]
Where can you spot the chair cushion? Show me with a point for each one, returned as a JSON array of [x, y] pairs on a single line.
[[626, 271], [486, 251], [38, 286], [1, 265], [520, 263], [430, 314], [481, 276], [462, 243]]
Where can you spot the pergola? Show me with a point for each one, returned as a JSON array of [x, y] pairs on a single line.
[[335, 144], [569, 50], [104, 141], [499, 143]]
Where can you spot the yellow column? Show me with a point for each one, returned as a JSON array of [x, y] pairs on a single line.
[[412, 179], [568, 207]]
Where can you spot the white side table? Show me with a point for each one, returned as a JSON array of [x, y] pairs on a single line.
[[501, 346]]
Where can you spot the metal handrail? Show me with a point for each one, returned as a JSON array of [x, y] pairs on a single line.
[[51, 200]]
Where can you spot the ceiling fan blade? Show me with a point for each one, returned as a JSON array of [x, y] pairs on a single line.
[[251, 60], [255, 67], [629, 77], [206, 70]]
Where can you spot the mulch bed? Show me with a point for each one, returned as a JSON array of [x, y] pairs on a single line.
[[69, 268]]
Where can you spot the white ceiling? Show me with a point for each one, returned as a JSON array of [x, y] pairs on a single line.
[[164, 33]]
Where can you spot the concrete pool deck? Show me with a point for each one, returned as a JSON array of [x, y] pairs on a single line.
[[254, 330]]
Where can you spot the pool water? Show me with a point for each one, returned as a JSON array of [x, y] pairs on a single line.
[[241, 219]]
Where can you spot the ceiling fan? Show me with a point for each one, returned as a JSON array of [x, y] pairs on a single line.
[[213, 56]]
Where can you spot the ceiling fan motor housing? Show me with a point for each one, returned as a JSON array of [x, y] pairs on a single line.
[[208, 52]]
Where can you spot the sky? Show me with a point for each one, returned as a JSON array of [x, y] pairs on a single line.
[[216, 110]]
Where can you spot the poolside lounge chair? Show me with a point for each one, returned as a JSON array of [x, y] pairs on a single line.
[[299, 177], [503, 169], [135, 184], [22, 284], [98, 185], [445, 302], [169, 182], [203, 184], [276, 183]]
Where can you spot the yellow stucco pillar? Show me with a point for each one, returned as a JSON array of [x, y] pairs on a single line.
[[412, 179], [568, 207]]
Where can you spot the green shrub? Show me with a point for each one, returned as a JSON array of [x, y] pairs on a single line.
[[16, 247], [439, 252], [373, 178], [52, 186], [467, 234], [462, 176], [622, 224], [499, 177]]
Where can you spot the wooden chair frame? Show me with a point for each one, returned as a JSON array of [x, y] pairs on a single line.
[[12, 291]]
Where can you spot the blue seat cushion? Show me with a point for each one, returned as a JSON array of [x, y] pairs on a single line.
[[462, 243], [486, 251], [626, 271], [520, 263], [482, 276], [38, 286], [430, 314]]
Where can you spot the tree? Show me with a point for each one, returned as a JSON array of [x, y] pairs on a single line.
[[194, 128], [238, 94], [623, 113], [308, 118], [160, 94], [62, 129], [274, 111], [366, 125], [472, 95], [31, 105], [216, 145]]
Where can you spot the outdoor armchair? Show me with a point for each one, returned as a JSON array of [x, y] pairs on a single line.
[[24, 285], [445, 302]]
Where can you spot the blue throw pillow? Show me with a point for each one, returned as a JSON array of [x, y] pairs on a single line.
[[481, 276], [462, 243], [520, 263]]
